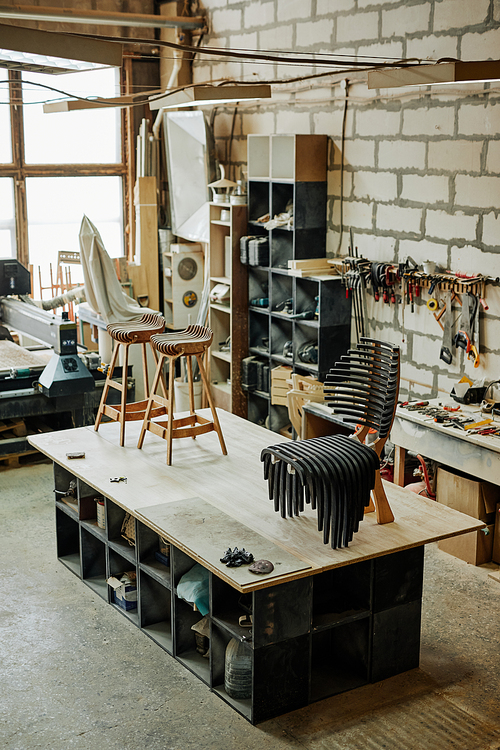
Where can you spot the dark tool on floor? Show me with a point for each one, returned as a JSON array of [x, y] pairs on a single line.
[[336, 474]]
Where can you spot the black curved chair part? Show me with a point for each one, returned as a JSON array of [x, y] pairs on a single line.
[[339, 475]]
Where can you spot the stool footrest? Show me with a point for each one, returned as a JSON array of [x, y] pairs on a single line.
[[134, 411], [182, 427]]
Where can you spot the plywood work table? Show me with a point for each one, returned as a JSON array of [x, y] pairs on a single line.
[[324, 621], [234, 485]]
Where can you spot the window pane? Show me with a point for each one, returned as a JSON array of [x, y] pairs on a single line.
[[83, 137], [7, 219], [5, 136], [56, 206]]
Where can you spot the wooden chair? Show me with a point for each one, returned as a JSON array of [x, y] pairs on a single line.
[[340, 475], [125, 335], [193, 341]]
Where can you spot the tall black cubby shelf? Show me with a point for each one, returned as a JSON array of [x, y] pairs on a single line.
[[311, 637], [285, 169]]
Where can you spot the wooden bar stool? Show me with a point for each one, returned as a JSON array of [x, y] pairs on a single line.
[[124, 335], [192, 341]]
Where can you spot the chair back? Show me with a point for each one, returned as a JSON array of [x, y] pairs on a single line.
[[363, 386]]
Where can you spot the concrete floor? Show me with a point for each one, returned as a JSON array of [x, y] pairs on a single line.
[[76, 674]]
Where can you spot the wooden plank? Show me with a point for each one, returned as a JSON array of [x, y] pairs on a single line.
[[234, 484], [196, 526], [13, 355]]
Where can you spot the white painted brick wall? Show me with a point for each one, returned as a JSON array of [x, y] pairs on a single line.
[[243, 41], [358, 27], [482, 193], [432, 47], [399, 220], [423, 250], [435, 121], [479, 119], [387, 50], [226, 20], [455, 156], [377, 122], [378, 186], [471, 259], [289, 9], [425, 189], [417, 375], [426, 348], [406, 19], [493, 157], [261, 123], [491, 230], [483, 46], [258, 14], [330, 123], [401, 155], [293, 122], [312, 33], [279, 37], [338, 6], [459, 14], [359, 153], [456, 226], [358, 215]]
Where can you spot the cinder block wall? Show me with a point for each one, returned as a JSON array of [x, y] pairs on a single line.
[[422, 167]]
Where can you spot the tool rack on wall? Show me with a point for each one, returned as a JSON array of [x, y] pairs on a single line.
[[285, 169], [311, 638]]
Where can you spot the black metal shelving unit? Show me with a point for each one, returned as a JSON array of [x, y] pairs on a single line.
[[311, 638], [284, 168]]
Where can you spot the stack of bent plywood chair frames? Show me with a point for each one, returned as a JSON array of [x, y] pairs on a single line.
[[192, 341], [125, 334], [339, 475]]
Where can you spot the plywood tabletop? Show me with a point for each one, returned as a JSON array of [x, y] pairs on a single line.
[[234, 485]]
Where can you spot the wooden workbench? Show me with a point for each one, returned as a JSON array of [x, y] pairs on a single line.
[[328, 620]]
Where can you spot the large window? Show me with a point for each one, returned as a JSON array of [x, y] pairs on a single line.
[[55, 168]]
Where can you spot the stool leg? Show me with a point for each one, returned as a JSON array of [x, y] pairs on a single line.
[[190, 385], [109, 378], [162, 376], [149, 407], [145, 369], [211, 404], [171, 406], [123, 408]]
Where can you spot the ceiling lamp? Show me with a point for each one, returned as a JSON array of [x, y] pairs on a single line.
[[199, 96], [50, 52], [449, 71], [99, 17]]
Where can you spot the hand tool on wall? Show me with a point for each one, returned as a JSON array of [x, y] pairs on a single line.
[[446, 348]]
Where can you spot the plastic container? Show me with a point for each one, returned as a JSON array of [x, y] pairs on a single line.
[[238, 670]]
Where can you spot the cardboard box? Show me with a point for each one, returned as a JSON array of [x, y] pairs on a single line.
[[124, 591], [475, 548], [474, 498], [280, 384]]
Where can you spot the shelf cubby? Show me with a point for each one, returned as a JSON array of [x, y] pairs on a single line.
[[219, 639], [185, 641], [148, 543], [340, 659], [68, 541], [281, 292], [94, 562], [340, 595], [155, 610], [282, 249], [258, 200], [114, 520]]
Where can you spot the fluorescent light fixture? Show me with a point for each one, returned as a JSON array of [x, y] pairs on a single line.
[[436, 74], [200, 96], [69, 105], [50, 52], [99, 17]]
